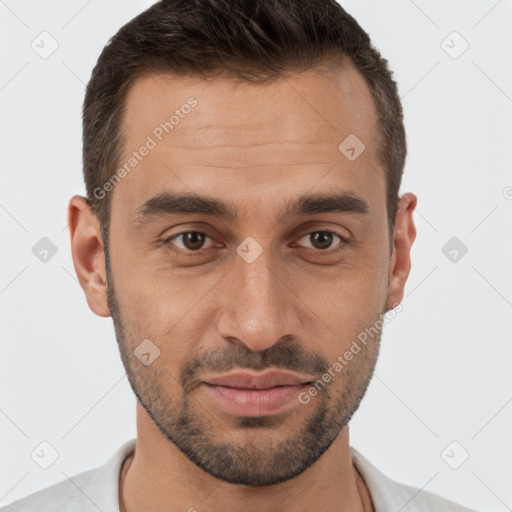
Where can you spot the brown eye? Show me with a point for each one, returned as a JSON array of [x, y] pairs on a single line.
[[322, 240], [190, 240]]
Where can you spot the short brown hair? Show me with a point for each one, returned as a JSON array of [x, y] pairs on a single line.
[[252, 40]]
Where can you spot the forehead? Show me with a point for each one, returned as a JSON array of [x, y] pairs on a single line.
[[248, 139]]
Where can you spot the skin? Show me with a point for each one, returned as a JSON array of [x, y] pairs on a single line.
[[254, 147]]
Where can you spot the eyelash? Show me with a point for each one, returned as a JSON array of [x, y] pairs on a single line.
[[168, 242], [181, 252]]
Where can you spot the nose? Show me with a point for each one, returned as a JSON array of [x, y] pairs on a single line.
[[257, 304]]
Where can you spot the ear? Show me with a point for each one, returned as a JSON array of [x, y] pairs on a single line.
[[88, 255], [404, 234]]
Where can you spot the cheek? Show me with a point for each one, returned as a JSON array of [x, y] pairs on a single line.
[[344, 305], [171, 311], [151, 291], [351, 288]]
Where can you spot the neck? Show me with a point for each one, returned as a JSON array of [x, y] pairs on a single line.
[[159, 474]]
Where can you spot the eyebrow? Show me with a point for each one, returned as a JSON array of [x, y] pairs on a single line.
[[169, 203]]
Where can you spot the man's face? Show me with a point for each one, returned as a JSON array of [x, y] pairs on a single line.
[[320, 279]]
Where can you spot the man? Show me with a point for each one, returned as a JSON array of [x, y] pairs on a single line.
[[243, 228]]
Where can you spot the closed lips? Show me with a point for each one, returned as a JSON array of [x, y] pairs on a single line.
[[244, 380]]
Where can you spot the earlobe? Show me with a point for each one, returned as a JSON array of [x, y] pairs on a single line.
[[88, 255], [404, 234]]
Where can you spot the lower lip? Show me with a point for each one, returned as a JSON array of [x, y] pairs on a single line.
[[255, 402]]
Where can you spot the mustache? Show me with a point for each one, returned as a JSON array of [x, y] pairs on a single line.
[[286, 354]]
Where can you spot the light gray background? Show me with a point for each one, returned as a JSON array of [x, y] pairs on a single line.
[[444, 369]]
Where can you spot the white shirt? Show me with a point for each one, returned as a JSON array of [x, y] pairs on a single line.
[[98, 489]]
